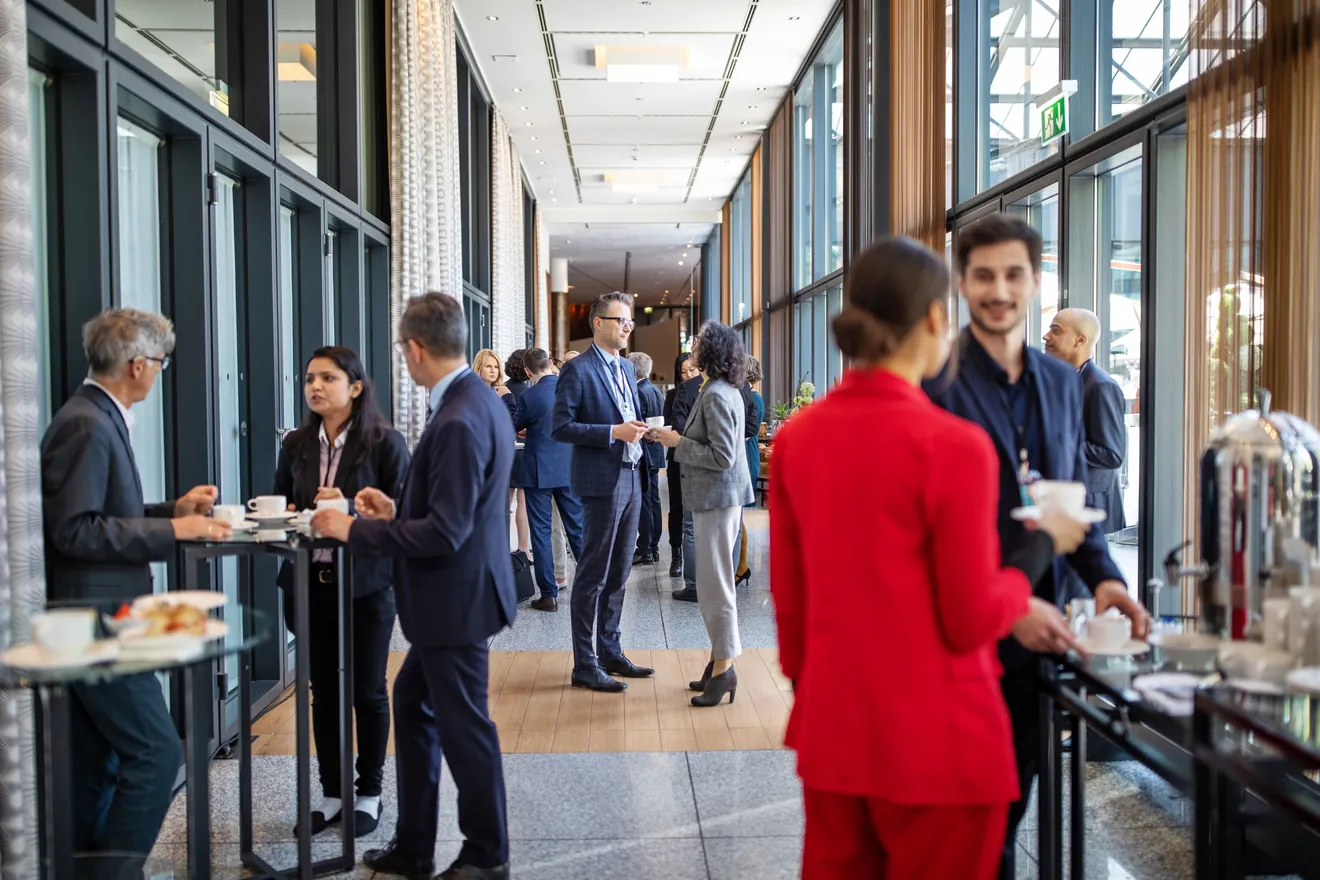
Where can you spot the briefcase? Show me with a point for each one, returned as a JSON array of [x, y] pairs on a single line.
[[524, 581]]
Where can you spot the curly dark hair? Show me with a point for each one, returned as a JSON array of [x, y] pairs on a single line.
[[720, 354], [514, 367]]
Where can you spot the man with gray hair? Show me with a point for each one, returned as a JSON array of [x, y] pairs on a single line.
[[100, 541], [1072, 338], [653, 461]]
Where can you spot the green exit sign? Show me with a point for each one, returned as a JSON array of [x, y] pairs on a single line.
[[1054, 120]]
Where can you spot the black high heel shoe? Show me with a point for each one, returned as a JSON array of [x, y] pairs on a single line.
[[743, 578], [700, 686], [718, 685]]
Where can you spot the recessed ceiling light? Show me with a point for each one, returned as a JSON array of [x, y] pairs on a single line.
[[758, 88], [526, 123], [497, 18], [524, 109], [568, 242], [516, 91], [751, 106], [554, 200], [737, 137], [666, 293], [542, 161], [685, 253], [794, 17], [680, 262], [552, 192], [732, 150], [533, 137], [538, 152]]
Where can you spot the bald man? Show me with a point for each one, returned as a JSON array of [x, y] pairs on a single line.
[[1072, 337]]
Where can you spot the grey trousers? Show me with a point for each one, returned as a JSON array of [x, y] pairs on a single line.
[[690, 551], [715, 588]]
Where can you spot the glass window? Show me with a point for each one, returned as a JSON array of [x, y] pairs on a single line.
[[834, 157], [330, 314], [1020, 62], [1041, 210], [289, 369], [948, 104], [40, 244], [229, 458], [1104, 276], [818, 166], [740, 256], [188, 41], [296, 75], [1147, 49], [835, 355], [802, 163], [139, 260]]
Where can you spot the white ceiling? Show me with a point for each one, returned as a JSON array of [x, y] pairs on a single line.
[[699, 132]]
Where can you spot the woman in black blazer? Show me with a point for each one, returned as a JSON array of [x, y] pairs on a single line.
[[344, 445]]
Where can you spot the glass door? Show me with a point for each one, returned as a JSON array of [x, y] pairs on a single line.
[[1105, 277], [1040, 209], [286, 342]]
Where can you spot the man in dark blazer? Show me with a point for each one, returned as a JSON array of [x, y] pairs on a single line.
[[597, 410], [1030, 405], [100, 539], [449, 535], [1072, 338], [545, 476], [676, 410], [653, 461]]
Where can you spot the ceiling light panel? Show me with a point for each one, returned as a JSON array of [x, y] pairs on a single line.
[[705, 54], [628, 15], [676, 130], [643, 156], [597, 97]]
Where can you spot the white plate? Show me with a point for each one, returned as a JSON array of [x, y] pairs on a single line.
[[1090, 515], [206, 600], [134, 641], [266, 522], [33, 656], [1132, 647]]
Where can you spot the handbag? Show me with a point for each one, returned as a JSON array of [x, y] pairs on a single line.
[[524, 583]]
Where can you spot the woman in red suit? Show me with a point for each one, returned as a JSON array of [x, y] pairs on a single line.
[[890, 597]]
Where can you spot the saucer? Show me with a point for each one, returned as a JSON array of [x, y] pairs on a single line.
[[203, 599], [279, 520], [1132, 647], [33, 656], [1090, 516]]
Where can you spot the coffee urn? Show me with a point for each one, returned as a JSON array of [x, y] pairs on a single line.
[[1260, 518]]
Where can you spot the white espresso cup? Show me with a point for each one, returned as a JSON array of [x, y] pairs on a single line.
[[233, 514], [268, 505], [339, 504], [1066, 496], [655, 421], [64, 632], [1108, 632]]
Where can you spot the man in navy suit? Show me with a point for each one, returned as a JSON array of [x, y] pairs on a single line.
[[1072, 338], [1030, 405], [653, 461], [597, 410], [545, 476], [449, 532]]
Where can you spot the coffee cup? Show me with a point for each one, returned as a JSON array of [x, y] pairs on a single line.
[[268, 505], [339, 504], [1108, 632], [1069, 497], [233, 514], [65, 632], [655, 421]]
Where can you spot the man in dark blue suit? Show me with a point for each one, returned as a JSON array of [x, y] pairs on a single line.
[[653, 461], [597, 410], [1072, 338], [1030, 405], [449, 532], [544, 478]]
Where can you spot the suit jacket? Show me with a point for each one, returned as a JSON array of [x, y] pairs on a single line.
[[754, 408], [380, 461], [685, 395], [908, 589], [652, 405], [1103, 407], [976, 396], [100, 536], [545, 461], [713, 451], [585, 416], [450, 536]]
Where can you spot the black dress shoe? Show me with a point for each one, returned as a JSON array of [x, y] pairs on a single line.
[[392, 860], [643, 559], [595, 679], [469, 872], [625, 667], [676, 569], [320, 822], [545, 603], [364, 823], [684, 595]]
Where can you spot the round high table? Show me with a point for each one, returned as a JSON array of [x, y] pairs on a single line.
[[52, 689]]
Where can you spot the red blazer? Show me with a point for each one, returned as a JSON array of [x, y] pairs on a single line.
[[889, 595]]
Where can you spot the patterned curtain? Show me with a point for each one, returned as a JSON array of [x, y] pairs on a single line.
[[425, 225], [508, 294], [22, 584], [542, 282]]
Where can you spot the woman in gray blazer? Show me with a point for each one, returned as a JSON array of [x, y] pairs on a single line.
[[716, 485]]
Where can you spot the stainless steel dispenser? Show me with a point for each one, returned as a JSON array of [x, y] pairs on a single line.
[[1260, 517]]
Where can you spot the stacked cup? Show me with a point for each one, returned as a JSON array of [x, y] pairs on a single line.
[[1304, 625]]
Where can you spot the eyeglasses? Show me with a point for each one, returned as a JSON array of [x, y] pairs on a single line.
[[624, 323], [164, 362]]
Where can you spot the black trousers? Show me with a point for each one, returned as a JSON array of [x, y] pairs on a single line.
[[649, 524], [124, 754], [675, 510], [440, 714], [1022, 696], [373, 624]]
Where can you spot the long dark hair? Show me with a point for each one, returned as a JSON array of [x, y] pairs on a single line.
[[514, 367], [720, 354], [367, 419]]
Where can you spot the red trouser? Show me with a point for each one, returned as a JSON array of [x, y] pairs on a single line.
[[857, 838]]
